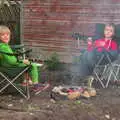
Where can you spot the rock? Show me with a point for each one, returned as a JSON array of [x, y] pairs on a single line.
[[10, 105], [92, 92], [73, 95], [107, 116]]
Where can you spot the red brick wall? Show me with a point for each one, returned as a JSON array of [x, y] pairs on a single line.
[[48, 24]]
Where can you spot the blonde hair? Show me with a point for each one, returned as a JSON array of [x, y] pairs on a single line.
[[4, 29], [111, 25]]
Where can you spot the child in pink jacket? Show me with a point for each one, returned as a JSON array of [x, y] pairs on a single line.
[[96, 49]]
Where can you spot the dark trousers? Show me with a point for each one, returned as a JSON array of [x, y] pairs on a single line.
[[89, 60]]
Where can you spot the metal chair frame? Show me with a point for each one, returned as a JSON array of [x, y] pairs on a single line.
[[11, 81], [108, 68]]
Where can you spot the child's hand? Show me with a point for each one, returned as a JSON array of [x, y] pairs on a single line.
[[102, 43], [27, 62], [99, 44], [89, 41]]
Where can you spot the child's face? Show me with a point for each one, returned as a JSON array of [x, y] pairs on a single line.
[[5, 37], [109, 32]]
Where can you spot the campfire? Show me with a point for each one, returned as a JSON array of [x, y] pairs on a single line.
[[73, 92]]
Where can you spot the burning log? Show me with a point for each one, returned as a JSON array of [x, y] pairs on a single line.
[[74, 95]]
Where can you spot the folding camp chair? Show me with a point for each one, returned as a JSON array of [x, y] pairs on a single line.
[[103, 70], [114, 75], [107, 71], [20, 51], [10, 76], [110, 70], [11, 79]]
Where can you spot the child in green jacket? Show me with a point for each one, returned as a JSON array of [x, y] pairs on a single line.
[[11, 61]]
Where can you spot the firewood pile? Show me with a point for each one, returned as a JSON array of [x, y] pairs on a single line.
[[72, 92]]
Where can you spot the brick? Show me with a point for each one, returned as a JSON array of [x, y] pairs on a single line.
[[49, 25]]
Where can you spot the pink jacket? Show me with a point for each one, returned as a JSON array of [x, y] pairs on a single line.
[[109, 45]]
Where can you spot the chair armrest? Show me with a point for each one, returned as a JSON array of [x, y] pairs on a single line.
[[39, 64], [17, 53], [20, 50], [25, 51], [14, 47]]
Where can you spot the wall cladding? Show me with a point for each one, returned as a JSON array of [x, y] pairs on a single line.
[[49, 24]]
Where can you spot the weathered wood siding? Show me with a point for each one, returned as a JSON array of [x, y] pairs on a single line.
[[48, 25]]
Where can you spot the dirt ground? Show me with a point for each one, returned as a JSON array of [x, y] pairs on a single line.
[[104, 106]]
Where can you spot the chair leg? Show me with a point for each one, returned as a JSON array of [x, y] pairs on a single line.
[[11, 82], [111, 72], [115, 74], [109, 68], [28, 90], [99, 79]]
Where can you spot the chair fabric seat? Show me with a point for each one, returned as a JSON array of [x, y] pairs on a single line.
[[11, 71]]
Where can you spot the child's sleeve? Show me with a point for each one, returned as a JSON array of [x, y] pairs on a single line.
[[7, 59]]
